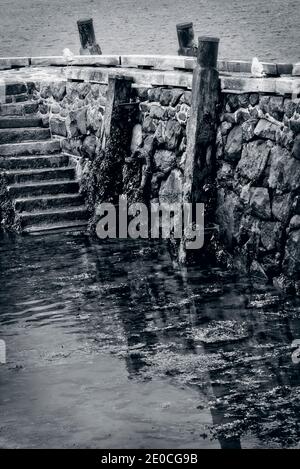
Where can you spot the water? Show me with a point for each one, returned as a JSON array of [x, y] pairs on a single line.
[[109, 344], [247, 28]]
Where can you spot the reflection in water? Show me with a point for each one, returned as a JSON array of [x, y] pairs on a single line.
[[208, 356]]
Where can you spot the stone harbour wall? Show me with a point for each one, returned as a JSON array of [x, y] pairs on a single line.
[[166, 128], [154, 170], [258, 184], [74, 111]]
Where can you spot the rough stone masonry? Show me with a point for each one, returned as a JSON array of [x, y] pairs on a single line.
[[255, 159], [258, 184]]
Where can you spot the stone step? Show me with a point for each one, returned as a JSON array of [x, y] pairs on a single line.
[[39, 175], [23, 135], [48, 228], [18, 109], [30, 148], [16, 88], [17, 122], [53, 216], [33, 162], [43, 188], [17, 98], [47, 202]]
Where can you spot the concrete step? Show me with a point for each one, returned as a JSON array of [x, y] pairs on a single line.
[[42, 147], [39, 175], [18, 109], [47, 202], [22, 135], [43, 188], [53, 216], [48, 228], [33, 162], [18, 122]]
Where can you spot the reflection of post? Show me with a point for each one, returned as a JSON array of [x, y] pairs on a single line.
[[185, 34], [87, 38]]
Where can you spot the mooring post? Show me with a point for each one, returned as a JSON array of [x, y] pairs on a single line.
[[88, 38], [185, 34], [202, 124], [116, 135]]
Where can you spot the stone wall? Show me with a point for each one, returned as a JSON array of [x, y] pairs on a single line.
[[75, 112], [154, 169], [256, 161], [258, 184]]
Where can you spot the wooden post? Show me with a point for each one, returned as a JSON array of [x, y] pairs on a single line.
[[185, 34], [116, 136], [87, 38], [202, 126]]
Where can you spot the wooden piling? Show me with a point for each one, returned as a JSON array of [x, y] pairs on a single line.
[[88, 38], [185, 34], [116, 136], [202, 126]]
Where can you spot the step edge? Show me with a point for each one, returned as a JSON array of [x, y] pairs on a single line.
[[22, 172], [48, 197], [71, 209], [44, 183]]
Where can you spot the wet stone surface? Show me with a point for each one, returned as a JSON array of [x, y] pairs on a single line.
[[111, 345]]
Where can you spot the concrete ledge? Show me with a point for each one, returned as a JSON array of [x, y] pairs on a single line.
[[240, 66], [162, 62], [284, 69], [83, 60], [156, 62], [147, 78], [280, 85], [14, 62]]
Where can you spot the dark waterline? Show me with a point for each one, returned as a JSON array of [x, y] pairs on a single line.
[[111, 345], [268, 30]]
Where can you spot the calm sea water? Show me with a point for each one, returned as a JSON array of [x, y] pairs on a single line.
[[111, 345], [247, 28]]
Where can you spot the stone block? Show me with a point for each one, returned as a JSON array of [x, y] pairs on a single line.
[[295, 223], [164, 159], [171, 190], [234, 144], [254, 159], [149, 125], [89, 146], [158, 112], [58, 126], [291, 261], [137, 138], [266, 129], [282, 205], [248, 128], [284, 170], [260, 203], [296, 148], [270, 234]]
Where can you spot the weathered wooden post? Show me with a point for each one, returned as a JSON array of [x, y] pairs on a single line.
[[88, 38], [201, 131], [116, 136], [185, 34]]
